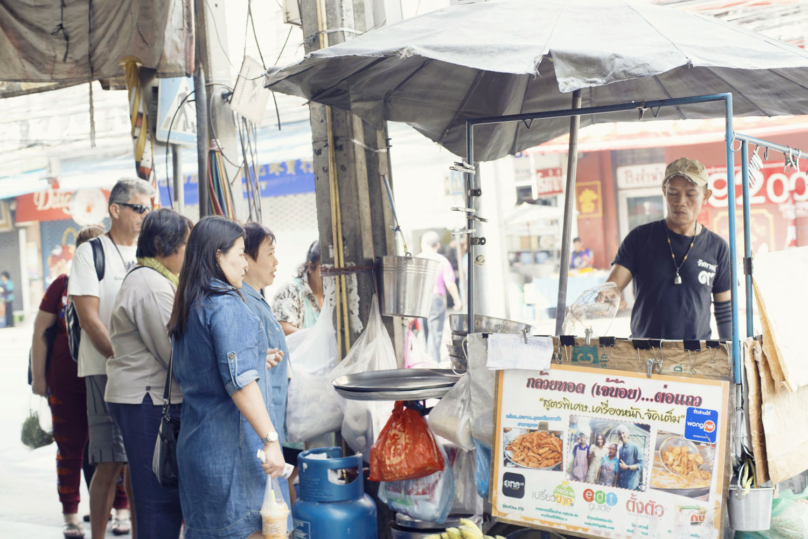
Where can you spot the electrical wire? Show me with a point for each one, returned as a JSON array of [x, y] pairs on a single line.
[[168, 145]]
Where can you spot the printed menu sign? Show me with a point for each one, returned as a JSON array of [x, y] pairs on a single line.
[[610, 454]]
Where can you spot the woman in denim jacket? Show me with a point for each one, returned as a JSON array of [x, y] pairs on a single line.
[[220, 351]]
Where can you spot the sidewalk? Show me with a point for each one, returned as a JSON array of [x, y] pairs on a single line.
[[29, 503]]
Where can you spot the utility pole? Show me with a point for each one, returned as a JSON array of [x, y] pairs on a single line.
[[351, 160], [179, 185]]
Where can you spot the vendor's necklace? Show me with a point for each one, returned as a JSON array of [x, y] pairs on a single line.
[[678, 278]]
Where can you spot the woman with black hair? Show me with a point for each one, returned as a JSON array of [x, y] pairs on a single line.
[[136, 374], [297, 305], [220, 351]]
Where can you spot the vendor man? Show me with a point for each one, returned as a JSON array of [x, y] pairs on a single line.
[[631, 461], [678, 266]]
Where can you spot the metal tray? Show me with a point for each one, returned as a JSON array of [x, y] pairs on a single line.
[[397, 380], [394, 395], [485, 324]]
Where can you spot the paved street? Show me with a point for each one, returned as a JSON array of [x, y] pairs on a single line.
[[29, 503]]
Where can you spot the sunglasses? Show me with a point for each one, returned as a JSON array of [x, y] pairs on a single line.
[[137, 208]]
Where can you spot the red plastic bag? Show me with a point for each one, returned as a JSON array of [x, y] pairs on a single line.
[[405, 449]]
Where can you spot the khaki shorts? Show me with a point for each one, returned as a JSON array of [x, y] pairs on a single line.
[[106, 442]]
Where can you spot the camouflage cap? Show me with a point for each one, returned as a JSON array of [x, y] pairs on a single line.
[[690, 169]]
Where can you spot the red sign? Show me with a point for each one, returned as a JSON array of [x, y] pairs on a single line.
[[49, 205], [549, 181], [770, 185]]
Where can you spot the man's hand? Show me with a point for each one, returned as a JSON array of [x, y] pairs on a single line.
[[274, 357], [623, 466]]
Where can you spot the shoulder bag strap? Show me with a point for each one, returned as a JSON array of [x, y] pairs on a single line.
[[167, 391], [98, 258]]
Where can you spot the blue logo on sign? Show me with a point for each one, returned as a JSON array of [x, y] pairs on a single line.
[[611, 499], [701, 425]]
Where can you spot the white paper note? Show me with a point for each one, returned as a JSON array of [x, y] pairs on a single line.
[[512, 352]]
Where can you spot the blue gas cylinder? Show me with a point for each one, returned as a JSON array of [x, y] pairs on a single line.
[[332, 502]]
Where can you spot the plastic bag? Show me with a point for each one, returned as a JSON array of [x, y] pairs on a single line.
[[37, 429], [451, 417], [312, 405], [274, 512], [429, 498], [466, 500], [482, 471], [789, 518], [313, 408], [482, 382], [406, 448], [314, 350], [372, 351]]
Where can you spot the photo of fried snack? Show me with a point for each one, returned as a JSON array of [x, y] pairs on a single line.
[[682, 467], [537, 449], [681, 461]]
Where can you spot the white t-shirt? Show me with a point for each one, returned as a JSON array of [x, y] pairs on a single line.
[[84, 282]]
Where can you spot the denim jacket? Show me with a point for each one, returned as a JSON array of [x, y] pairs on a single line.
[[278, 376], [221, 481]]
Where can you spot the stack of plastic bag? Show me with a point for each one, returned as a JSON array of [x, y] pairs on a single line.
[[451, 417]]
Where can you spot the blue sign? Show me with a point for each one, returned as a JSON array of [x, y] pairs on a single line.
[[190, 190], [701, 425], [291, 177]]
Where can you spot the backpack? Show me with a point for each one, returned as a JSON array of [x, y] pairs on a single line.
[[71, 316]]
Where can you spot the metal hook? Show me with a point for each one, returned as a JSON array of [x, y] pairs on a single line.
[[528, 123], [732, 146], [656, 114], [789, 161]]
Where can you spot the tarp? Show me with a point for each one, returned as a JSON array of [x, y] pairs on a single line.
[[437, 70], [48, 42]]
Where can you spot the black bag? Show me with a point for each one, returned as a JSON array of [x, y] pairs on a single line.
[[164, 462], [71, 316]]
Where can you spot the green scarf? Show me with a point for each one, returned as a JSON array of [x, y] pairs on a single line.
[[155, 264]]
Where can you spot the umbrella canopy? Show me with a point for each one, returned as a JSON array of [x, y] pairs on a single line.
[[437, 70]]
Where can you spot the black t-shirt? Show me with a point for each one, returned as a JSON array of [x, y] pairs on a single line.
[[662, 309]]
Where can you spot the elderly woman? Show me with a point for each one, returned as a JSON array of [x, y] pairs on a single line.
[[580, 459], [297, 304], [220, 353], [137, 372], [259, 249]]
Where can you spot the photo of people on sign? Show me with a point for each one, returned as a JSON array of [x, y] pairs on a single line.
[[533, 448], [608, 453], [682, 467]]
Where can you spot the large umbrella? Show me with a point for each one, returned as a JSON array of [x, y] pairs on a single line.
[[437, 70]]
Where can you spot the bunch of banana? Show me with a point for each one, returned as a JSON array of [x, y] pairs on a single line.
[[467, 530]]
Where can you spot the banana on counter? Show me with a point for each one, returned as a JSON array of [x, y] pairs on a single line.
[[467, 530]]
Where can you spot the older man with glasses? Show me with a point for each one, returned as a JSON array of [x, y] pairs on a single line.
[[93, 294]]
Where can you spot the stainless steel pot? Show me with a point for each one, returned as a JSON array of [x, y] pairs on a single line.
[[460, 364], [407, 285], [409, 528], [485, 324]]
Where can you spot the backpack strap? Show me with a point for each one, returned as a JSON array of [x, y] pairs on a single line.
[[98, 258]]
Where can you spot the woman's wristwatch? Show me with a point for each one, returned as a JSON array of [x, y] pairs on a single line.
[[270, 438]]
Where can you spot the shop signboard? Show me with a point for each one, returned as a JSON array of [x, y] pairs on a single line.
[[549, 181], [641, 176], [292, 177], [86, 206], [588, 199], [595, 453], [770, 185]]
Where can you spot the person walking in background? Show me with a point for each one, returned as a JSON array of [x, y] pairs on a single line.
[[136, 374], [129, 202], [297, 304], [7, 296], [220, 352], [259, 248], [430, 243], [66, 393]]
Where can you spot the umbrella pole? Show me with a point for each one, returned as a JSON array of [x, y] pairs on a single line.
[[569, 212]]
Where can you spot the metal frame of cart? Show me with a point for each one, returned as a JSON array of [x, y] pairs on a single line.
[[792, 156]]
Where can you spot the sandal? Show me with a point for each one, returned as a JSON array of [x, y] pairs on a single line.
[[121, 526], [72, 531]]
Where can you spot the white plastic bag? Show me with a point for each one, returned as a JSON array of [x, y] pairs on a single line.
[[451, 417], [314, 350], [372, 351], [466, 500], [429, 498], [482, 385], [312, 406]]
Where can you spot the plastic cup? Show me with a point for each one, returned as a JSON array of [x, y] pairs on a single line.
[[274, 522]]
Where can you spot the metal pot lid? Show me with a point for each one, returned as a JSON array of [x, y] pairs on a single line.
[[397, 380], [452, 521], [395, 394]]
